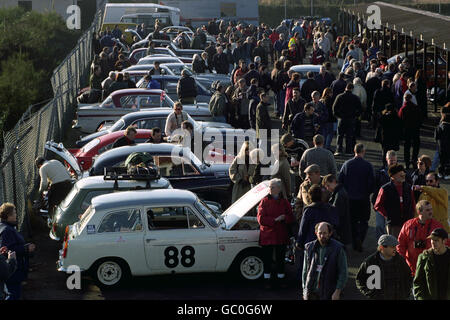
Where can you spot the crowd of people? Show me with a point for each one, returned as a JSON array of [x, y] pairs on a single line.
[[331, 208]]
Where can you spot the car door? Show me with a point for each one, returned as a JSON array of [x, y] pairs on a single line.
[[177, 240], [120, 233]]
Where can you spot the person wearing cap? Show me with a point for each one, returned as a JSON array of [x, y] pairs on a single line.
[[395, 200], [187, 88], [54, 174], [412, 239], [438, 197], [218, 104], [432, 279], [320, 156], [303, 198], [396, 280]]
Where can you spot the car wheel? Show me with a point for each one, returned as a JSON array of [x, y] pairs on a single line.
[[250, 265], [111, 273]]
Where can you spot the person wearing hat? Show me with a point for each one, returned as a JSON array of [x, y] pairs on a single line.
[[303, 198], [54, 174], [432, 279], [395, 200], [395, 276], [412, 240]]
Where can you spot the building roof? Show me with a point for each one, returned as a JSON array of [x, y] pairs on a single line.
[[432, 26]]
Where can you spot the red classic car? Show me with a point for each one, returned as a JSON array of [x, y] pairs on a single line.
[[101, 144], [86, 154]]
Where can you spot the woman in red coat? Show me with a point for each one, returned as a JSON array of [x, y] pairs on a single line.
[[274, 217]]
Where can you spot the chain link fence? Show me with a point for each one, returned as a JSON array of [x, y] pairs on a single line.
[[19, 178]]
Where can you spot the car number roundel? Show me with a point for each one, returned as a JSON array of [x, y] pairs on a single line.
[[172, 260]]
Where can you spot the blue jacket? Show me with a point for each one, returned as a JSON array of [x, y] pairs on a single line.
[[358, 178], [313, 214], [280, 45], [14, 241]]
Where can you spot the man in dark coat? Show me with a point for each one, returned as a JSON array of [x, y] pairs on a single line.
[[118, 84], [339, 199], [220, 61], [308, 87], [338, 85], [314, 213], [252, 73], [305, 124], [187, 88], [128, 138], [211, 51], [396, 280], [346, 108], [262, 116], [410, 114], [293, 107], [238, 53], [324, 79], [395, 200], [357, 177], [381, 98]]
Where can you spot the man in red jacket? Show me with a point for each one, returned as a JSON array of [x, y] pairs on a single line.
[[274, 216], [413, 238]]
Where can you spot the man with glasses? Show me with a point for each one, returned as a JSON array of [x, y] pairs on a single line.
[[175, 119], [438, 197]]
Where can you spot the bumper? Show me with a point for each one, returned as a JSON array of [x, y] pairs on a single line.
[[60, 263], [53, 236]]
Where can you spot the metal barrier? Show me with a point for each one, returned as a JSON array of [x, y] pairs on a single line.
[[19, 178]]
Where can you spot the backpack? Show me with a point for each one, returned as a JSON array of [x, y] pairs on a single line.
[[137, 158]]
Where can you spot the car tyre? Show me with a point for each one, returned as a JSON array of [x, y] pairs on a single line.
[[249, 265], [111, 273]]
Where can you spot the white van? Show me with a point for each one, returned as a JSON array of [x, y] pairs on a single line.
[[199, 12], [141, 13]]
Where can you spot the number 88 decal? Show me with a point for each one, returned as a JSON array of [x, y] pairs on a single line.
[[187, 257]]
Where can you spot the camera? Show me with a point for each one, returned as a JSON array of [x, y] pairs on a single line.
[[419, 244]]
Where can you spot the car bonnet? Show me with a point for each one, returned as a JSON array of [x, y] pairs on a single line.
[[244, 204]]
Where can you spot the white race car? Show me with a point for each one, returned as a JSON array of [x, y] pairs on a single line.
[[140, 233]]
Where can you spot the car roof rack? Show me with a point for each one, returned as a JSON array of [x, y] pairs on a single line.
[[121, 173]]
